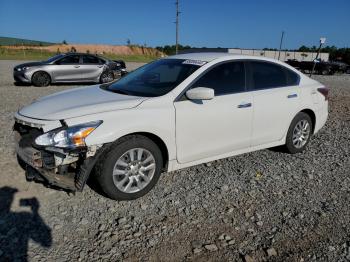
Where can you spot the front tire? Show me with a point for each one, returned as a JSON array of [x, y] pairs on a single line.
[[41, 79], [299, 133], [130, 169]]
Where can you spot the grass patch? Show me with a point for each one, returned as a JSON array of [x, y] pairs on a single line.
[[27, 54], [132, 58], [39, 55]]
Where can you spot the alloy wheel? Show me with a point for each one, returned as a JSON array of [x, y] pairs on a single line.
[[42, 79], [134, 170], [301, 133], [107, 77]]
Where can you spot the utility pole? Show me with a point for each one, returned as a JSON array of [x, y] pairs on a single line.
[[177, 26], [322, 41], [279, 52]]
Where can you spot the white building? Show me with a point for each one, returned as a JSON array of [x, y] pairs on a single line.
[[285, 55]]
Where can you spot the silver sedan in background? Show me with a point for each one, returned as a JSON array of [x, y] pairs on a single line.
[[69, 68]]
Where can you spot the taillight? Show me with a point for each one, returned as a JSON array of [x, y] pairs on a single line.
[[324, 91]]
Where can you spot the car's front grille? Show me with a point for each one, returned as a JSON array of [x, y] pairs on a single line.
[[27, 136], [17, 79]]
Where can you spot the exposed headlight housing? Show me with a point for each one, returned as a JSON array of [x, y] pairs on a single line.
[[70, 137]]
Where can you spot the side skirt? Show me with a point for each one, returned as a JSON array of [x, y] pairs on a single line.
[[175, 165]]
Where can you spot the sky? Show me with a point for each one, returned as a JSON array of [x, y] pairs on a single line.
[[203, 23]]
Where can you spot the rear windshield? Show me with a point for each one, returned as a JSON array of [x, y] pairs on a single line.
[[154, 79]]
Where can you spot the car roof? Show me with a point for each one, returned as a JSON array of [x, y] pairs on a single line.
[[208, 57], [95, 55], [76, 53]]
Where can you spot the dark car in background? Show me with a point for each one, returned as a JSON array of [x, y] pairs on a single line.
[[340, 67], [320, 67], [69, 68]]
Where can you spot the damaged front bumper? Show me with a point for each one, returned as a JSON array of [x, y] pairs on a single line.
[[54, 167]]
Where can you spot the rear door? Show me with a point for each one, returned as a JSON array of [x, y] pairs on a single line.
[[276, 98], [67, 69], [91, 68]]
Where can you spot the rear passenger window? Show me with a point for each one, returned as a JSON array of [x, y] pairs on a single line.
[[87, 59], [268, 75], [227, 78], [292, 78]]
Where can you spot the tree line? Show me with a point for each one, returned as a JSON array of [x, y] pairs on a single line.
[[335, 54]]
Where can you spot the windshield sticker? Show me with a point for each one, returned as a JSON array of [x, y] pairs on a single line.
[[194, 62]]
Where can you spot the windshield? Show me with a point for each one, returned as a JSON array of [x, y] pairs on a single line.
[[154, 79], [54, 58]]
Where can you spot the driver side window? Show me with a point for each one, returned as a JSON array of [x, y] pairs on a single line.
[[69, 60], [227, 78]]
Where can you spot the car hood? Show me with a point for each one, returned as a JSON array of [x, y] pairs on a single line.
[[78, 102], [30, 64]]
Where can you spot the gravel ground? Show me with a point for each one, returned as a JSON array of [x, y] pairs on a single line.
[[261, 206]]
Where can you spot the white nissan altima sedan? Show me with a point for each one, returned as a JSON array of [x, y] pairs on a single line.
[[173, 113]]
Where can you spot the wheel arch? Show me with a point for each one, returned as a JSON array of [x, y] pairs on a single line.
[[106, 69], [157, 140], [160, 143], [41, 71]]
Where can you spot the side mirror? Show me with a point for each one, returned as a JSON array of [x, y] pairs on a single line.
[[200, 93]]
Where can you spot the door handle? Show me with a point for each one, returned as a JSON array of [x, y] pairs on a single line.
[[77, 66], [292, 95], [244, 105], [100, 66]]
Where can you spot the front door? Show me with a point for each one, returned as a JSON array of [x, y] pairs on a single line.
[[210, 128], [67, 69]]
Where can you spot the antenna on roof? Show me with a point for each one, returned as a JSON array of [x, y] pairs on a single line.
[[322, 41]]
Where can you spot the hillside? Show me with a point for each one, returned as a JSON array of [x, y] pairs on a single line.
[[93, 49], [7, 41], [23, 49], [127, 53]]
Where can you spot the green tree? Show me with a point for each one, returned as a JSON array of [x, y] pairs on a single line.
[[304, 49]]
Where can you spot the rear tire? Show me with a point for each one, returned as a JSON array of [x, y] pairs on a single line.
[[106, 77], [299, 133], [130, 169], [41, 79]]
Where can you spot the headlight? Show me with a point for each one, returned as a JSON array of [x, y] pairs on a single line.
[[70, 137], [22, 68]]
